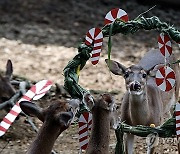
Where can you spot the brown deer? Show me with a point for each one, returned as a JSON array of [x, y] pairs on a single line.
[[6, 88], [56, 118], [104, 113], [144, 103]]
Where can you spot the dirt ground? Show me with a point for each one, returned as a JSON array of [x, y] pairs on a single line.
[[41, 37]]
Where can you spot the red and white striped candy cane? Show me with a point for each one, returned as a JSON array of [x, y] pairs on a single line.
[[95, 36], [164, 44], [115, 14], [35, 92], [165, 78], [42, 88], [177, 113], [85, 124]]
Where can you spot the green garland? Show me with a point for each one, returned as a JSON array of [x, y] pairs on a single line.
[[70, 71], [78, 62], [168, 129], [142, 23]]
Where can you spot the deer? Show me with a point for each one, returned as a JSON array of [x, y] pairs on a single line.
[[104, 116], [56, 118], [6, 88], [143, 102]]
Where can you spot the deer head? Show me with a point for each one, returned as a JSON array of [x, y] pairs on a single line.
[[135, 76], [60, 113], [56, 118], [106, 103], [6, 89]]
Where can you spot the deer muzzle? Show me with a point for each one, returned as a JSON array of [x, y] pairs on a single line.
[[135, 86]]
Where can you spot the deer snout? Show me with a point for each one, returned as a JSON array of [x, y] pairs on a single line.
[[135, 86], [70, 115]]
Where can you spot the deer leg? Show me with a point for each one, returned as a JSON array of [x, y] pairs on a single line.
[[150, 150], [129, 144], [152, 143], [178, 145]]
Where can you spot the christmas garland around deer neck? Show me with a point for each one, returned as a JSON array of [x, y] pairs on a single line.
[[116, 21]]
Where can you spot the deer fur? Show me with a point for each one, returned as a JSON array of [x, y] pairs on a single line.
[[104, 112], [6, 89], [56, 118], [143, 102]]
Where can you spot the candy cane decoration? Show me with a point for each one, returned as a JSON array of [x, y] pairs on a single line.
[[85, 123], [37, 91], [42, 88], [95, 36], [115, 14], [164, 44], [165, 78], [177, 113]]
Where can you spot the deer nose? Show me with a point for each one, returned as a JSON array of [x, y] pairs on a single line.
[[135, 86]]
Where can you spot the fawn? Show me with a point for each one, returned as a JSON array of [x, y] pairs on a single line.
[[144, 103], [104, 114], [56, 118]]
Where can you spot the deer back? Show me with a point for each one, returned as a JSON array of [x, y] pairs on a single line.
[[153, 60]]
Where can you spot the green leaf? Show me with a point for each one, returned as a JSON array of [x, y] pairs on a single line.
[[110, 41]]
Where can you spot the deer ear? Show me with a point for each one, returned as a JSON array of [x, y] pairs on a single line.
[[115, 67], [65, 118], [88, 100], [9, 69], [32, 109], [74, 103], [152, 71], [109, 101]]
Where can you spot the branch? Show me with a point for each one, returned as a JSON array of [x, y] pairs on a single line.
[[29, 120], [11, 101], [14, 98]]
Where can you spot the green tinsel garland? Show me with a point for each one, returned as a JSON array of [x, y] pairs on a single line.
[[168, 129], [79, 61]]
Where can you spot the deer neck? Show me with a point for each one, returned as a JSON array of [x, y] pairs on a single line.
[[139, 109], [45, 139], [99, 139]]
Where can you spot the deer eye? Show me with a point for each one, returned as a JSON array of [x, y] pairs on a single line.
[[126, 75], [144, 75]]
